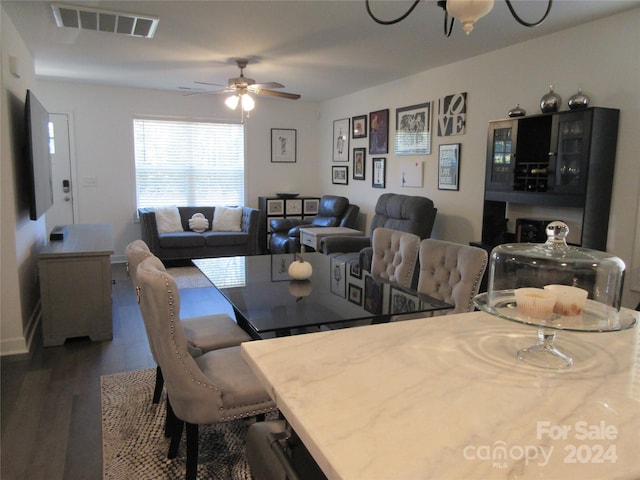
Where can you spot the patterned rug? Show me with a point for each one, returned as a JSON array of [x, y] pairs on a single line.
[[133, 442], [189, 277]]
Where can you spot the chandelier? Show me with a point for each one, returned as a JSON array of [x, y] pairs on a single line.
[[466, 11]]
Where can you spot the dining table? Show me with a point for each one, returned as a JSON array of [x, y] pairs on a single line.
[[446, 397], [267, 301]]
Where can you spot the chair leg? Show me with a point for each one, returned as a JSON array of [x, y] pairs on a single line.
[[176, 436], [159, 384], [170, 420], [192, 451]]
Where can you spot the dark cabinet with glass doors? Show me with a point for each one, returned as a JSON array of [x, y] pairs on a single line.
[[563, 159]]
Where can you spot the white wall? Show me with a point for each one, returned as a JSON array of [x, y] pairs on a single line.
[[104, 183], [602, 58], [20, 238]]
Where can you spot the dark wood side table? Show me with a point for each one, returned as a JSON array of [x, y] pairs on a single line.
[[75, 285]]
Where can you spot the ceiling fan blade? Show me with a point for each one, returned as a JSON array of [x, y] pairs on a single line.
[[291, 96], [212, 84], [267, 85]]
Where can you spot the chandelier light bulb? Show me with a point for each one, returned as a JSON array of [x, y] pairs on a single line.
[[247, 103], [232, 102], [468, 11]]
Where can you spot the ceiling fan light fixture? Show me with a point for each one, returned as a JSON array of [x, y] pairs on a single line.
[[232, 102], [247, 103], [468, 12]]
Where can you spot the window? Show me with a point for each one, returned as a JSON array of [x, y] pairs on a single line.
[[188, 163]]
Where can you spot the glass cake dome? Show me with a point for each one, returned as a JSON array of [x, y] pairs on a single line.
[[554, 286]]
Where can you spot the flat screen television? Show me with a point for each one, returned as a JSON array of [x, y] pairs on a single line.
[[38, 157]]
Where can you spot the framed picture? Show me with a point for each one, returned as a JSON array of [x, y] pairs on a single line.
[[354, 269], [411, 173], [449, 166], [293, 206], [402, 302], [283, 145], [355, 294], [341, 140], [340, 175], [413, 130], [379, 132], [372, 295], [359, 128], [311, 206], [275, 206], [359, 163], [280, 266], [378, 173], [338, 280], [452, 115]]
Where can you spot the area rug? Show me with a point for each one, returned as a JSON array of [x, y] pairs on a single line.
[[189, 277], [133, 442]]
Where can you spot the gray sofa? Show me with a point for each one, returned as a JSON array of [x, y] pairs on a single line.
[[189, 244]]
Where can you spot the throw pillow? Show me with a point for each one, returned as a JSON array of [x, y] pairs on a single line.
[[168, 219], [198, 223], [227, 219]]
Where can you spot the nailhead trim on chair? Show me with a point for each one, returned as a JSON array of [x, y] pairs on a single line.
[[476, 286]]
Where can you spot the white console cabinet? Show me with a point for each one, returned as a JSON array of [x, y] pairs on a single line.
[[75, 285]]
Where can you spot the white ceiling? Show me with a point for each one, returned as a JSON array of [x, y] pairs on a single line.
[[320, 49]]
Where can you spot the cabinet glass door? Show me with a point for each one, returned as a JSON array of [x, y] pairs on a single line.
[[501, 145], [571, 154]]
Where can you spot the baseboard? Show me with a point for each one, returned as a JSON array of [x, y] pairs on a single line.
[[20, 345], [32, 326]]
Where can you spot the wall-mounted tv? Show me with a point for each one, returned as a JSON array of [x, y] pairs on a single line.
[[38, 157]]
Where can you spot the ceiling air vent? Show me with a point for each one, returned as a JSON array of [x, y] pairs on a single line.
[[85, 18]]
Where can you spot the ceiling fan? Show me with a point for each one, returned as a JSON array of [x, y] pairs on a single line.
[[242, 85]]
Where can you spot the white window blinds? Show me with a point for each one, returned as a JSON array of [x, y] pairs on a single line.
[[188, 163]]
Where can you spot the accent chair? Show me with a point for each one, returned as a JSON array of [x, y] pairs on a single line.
[[333, 211]]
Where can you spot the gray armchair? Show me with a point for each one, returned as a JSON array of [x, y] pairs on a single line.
[[394, 211], [333, 211]]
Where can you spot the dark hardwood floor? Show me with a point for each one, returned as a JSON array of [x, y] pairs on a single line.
[[50, 399]]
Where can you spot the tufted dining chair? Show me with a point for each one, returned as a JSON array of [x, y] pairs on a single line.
[[395, 255], [203, 333], [216, 386], [451, 272]]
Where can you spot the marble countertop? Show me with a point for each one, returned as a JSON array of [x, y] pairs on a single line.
[[446, 398]]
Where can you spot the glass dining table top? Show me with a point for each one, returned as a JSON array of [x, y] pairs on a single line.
[[267, 300]]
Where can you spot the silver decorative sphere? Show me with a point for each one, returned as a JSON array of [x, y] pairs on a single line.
[[517, 111], [579, 100], [550, 102]]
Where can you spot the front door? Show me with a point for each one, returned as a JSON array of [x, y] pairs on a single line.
[[61, 213]]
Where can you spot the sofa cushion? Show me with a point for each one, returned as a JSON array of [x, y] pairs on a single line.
[[168, 219], [181, 240], [227, 219], [219, 239]]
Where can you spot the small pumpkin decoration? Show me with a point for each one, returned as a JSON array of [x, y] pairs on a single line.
[[299, 269], [300, 288]]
